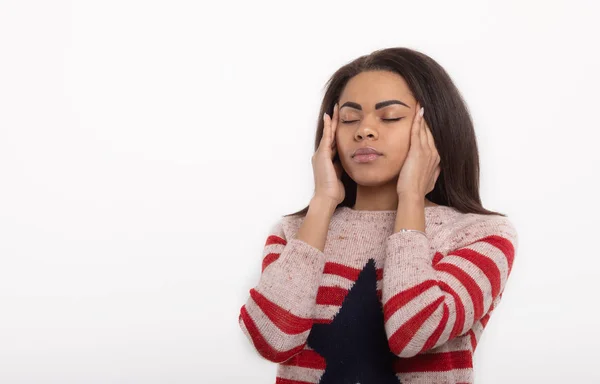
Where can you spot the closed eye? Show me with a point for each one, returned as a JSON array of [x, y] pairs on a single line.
[[354, 121]]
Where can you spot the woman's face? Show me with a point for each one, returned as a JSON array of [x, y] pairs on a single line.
[[361, 123]]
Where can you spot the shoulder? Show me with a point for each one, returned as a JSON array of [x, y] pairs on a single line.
[[468, 228], [286, 226]]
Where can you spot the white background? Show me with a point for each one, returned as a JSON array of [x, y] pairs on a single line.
[[146, 147]]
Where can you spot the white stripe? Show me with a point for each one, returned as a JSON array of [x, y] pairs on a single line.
[[449, 323], [326, 311], [427, 329], [477, 274], [446, 377], [409, 310], [464, 296], [496, 255], [477, 330], [273, 248], [291, 372], [459, 343], [328, 280]]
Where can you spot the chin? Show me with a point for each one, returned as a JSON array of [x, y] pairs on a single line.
[[371, 177]]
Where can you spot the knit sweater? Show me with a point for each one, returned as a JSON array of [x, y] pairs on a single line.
[[378, 306]]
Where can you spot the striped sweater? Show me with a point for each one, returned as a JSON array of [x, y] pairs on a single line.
[[378, 306]]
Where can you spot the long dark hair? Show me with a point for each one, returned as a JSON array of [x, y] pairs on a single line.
[[446, 114]]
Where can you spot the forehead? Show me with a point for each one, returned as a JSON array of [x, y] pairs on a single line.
[[368, 88]]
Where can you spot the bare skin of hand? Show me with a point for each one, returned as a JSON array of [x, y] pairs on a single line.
[[421, 167], [327, 174]]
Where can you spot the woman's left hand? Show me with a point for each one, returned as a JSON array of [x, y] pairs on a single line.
[[421, 167]]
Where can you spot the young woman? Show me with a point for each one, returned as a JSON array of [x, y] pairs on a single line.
[[392, 271]]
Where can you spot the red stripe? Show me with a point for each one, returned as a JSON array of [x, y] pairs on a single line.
[[404, 333], [261, 345], [469, 283], [274, 239], [331, 295], [485, 319], [400, 299], [434, 362], [346, 271], [473, 340], [307, 359], [459, 308], [437, 257], [271, 257], [282, 318], [487, 266], [281, 380], [505, 246], [341, 270], [327, 295], [435, 336]]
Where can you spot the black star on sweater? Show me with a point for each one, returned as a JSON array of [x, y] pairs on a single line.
[[354, 344]]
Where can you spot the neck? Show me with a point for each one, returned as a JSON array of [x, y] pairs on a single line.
[[379, 198]]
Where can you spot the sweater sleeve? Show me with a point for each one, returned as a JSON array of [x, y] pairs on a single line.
[[427, 303], [278, 314]]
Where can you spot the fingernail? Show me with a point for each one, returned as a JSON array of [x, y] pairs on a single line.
[[422, 111], [324, 114]]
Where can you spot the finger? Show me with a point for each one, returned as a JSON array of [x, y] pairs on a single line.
[[334, 124], [428, 139], [422, 131], [324, 136], [331, 126], [326, 124], [414, 131], [431, 141]]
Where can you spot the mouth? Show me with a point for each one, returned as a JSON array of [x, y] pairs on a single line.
[[366, 158], [366, 151]]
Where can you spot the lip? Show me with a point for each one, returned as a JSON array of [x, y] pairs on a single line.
[[366, 151], [365, 158]]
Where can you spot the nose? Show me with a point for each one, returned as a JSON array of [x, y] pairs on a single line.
[[362, 132]]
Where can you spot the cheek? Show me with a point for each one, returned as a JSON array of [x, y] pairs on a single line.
[[340, 140], [399, 143], [396, 154]]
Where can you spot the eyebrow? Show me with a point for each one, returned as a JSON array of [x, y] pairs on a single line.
[[377, 106]]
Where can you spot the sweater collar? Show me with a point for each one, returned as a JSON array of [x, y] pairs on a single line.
[[349, 213]]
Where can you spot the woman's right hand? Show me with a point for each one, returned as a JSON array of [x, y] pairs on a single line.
[[327, 174]]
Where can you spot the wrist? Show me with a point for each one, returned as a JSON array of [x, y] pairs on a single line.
[[411, 197], [410, 212], [323, 203]]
